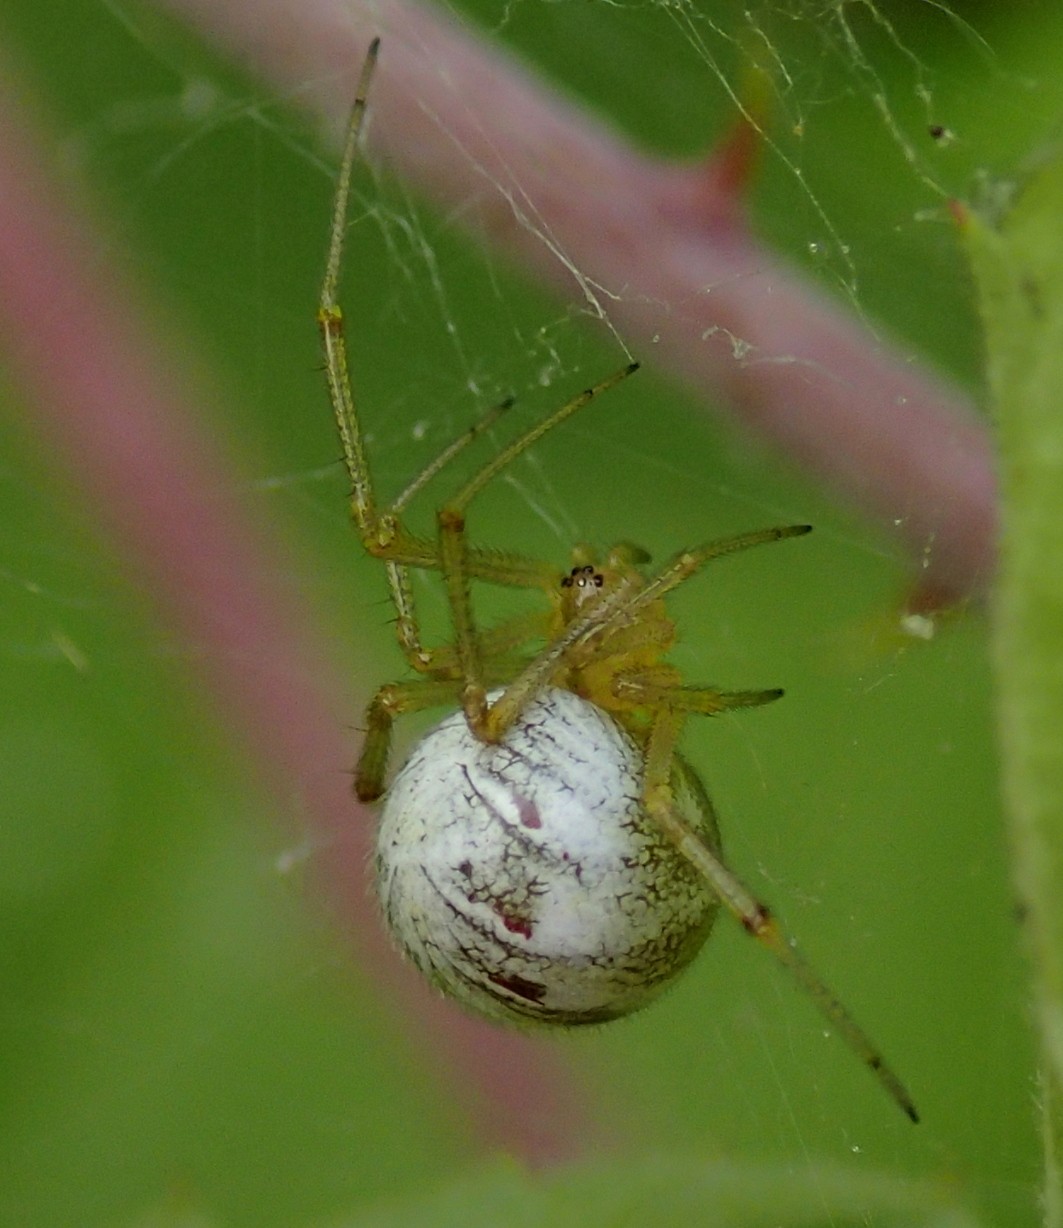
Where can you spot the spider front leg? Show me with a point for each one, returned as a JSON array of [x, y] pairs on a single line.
[[703, 700], [459, 563], [423, 659], [756, 918], [627, 602]]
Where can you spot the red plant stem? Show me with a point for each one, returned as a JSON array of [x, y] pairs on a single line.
[[659, 249], [106, 404]]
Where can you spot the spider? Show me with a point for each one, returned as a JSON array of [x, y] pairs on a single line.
[[546, 855]]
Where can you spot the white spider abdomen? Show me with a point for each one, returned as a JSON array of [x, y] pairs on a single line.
[[525, 879]]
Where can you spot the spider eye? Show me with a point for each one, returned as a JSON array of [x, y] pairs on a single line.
[[584, 578], [580, 577]]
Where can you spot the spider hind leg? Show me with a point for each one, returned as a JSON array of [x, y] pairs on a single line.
[[754, 917]]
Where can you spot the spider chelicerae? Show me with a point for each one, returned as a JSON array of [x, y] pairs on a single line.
[[546, 855]]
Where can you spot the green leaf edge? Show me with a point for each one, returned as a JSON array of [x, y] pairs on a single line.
[[669, 1190], [1017, 264]]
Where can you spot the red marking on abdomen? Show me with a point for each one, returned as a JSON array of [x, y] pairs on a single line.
[[528, 813], [516, 925], [528, 990]]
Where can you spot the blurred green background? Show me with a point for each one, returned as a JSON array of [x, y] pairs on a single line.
[[181, 1023]]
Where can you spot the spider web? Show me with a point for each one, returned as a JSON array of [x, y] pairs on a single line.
[[862, 807]]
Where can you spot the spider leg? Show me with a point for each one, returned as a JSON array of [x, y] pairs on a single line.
[[620, 605], [689, 562], [330, 317], [755, 918], [704, 700], [452, 557], [392, 542], [456, 559], [382, 533], [391, 701], [499, 644], [502, 646], [534, 433], [406, 625], [407, 628], [467, 437]]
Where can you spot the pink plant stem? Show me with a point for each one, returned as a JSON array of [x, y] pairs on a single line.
[[659, 250], [105, 403]]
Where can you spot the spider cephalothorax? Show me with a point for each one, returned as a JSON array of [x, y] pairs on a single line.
[[545, 854]]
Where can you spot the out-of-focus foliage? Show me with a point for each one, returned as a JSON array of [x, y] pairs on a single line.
[[183, 1034]]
